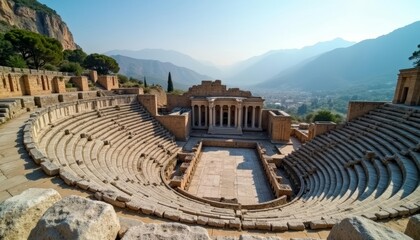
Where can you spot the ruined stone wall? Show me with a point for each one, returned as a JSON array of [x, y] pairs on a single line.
[[20, 82], [174, 101], [149, 102], [319, 128], [81, 83], [178, 125], [137, 91], [407, 90], [108, 82], [357, 109], [161, 99], [215, 89], [279, 126]]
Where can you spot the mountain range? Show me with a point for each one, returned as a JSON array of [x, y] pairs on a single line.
[[369, 62], [156, 72], [335, 64], [174, 57], [271, 63]]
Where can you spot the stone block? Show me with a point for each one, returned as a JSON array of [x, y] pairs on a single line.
[[20, 214], [235, 223], [112, 199], [216, 222], [83, 184], [358, 228], [262, 225], [68, 177], [133, 205], [147, 209], [382, 215], [318, 224], [79, 218], [187, 218], [279, 226], [172, 215], [296, 225], [402, 211], [248, 225], [166, 231], [370, 216], [413, 227], [202, 220], [50, 168], [36, 155]]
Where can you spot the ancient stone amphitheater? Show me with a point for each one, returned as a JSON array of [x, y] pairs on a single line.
[[115, 149]]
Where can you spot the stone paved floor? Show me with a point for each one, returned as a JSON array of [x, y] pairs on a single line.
[[231, 173]]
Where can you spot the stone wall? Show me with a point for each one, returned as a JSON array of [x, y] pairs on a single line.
[[108, 82], [81, 83], [301, 136], [53, 113], [149, 102], [319, 128], [138, 91], [279, 126], [357, 109], [178, 125], [215, 89], [174, 101], [407, 90], [20, 82]]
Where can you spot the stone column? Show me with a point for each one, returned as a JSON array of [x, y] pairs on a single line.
[[221, 115], [239, 115], [246, 117], [199, 115], [260, 119], [228, 116], [206, 117], [211, 115], [253, 117], [236, 115], [193, 115]]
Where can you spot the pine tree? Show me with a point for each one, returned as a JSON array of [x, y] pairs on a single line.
[[415, 57], [144, 82], [170, 84]]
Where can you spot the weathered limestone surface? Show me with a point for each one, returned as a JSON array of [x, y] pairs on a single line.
[[19, 214], [356, 228], [75, 217], [173, 231], [125, 224], [413, 227]]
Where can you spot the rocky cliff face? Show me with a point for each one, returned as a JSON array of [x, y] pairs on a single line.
[[44, 22]]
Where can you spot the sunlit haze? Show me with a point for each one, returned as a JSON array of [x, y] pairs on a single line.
[[224, 32]]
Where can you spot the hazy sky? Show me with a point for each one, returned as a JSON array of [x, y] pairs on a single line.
[[225, 31]]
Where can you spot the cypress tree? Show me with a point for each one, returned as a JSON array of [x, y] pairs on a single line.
[[145, 83], [170, 84]]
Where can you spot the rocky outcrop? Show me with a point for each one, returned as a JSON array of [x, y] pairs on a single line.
[[76, 217], [165, 231], [19, 214], [42, 20], [413, 227], [359, 228]]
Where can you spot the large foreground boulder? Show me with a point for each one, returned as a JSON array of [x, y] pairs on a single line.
[[173, 231], [19, 214], [76, 217], [360, 228], [413, 227]]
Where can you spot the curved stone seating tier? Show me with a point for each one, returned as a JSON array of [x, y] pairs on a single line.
[[112, 147]]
